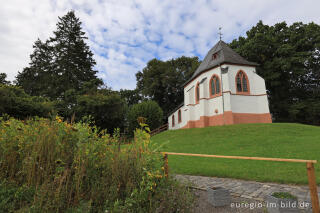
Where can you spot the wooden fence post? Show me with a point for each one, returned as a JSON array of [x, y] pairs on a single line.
[[313, 188], [166, 167]]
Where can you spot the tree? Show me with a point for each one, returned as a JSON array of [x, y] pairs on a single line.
[[131, 96], [73, 61], [149, 110], [16, 103], [3, 77], [106, 107], [108, 111], [39, 78], [289, 58], [163, 81], [61, 63]]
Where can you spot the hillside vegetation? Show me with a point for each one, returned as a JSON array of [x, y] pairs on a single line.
[[47, 165], [278, 140]]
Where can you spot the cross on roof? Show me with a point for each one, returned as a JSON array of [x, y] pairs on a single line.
[[219, 33]]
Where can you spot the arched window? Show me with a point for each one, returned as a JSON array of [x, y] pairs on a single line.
[[242, 82], [179, 116], [172, 120], [215, 86], [197, 93]]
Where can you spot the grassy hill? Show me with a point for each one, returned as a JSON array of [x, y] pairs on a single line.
[[279, 140]]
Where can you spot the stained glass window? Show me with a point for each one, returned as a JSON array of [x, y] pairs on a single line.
[[172, 120], [197, 93], [242, 82], [215, 85]]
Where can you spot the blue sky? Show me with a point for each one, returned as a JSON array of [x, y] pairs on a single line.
[[125, 34]]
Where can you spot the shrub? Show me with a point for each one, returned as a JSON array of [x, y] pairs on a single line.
[[149, 110], [54, 166], [284, 195], [107, 110], [16, 103]]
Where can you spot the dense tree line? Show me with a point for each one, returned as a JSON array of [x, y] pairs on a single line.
[[289, 58], [61, 72], [16, 103], [60, 79]]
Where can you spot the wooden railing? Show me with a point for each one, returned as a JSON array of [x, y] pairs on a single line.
[[159, 129], [309, 163]]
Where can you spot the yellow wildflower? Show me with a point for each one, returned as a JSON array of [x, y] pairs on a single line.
[[58, 119]]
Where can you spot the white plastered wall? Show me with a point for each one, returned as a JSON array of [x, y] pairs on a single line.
[[257, 102]]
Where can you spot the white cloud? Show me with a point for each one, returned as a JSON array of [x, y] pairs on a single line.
[[125, 34]]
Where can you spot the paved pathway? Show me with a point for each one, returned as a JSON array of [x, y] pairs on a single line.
[[248, 189]]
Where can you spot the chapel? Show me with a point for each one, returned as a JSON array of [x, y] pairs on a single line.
[[225, 89]]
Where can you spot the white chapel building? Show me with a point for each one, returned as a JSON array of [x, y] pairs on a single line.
[[225, 89]]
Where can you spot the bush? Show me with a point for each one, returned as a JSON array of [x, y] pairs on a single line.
[[149, 110], [54, 166], [16, 103], [13, 196], [106, 110]]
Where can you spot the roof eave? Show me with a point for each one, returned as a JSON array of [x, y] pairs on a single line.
[[252, 64], [175, 109]]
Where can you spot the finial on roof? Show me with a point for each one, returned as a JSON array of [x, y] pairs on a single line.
[[220, 33]]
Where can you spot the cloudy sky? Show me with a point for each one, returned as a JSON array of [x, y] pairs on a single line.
[[125, 34]]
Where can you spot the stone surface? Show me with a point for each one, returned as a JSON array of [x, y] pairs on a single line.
[[276, 205], [250, 189], [218, 196]]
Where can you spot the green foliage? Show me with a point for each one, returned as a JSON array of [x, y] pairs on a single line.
[[131, 96], [61, 63], [276, 140], [289, 58], [149, 110], [306, 111], [54, 166], [3, 77], [15, 102], [106, 108], [13, 197], [284, 195], [108, 111], [162, 80]]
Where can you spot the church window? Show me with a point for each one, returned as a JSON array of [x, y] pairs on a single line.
[[173, 120], [179, 116], [197, 93], [242, 82], [214, 85]]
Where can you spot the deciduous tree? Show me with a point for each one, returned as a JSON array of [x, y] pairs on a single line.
[[289, 58], [3, 77], [162, 81]]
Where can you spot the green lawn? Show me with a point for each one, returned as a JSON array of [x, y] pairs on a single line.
[[279, 140]]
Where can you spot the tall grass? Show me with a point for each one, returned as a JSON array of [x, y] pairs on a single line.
[[54, 166]]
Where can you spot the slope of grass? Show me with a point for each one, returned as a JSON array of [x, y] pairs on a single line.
[[278, 140]]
